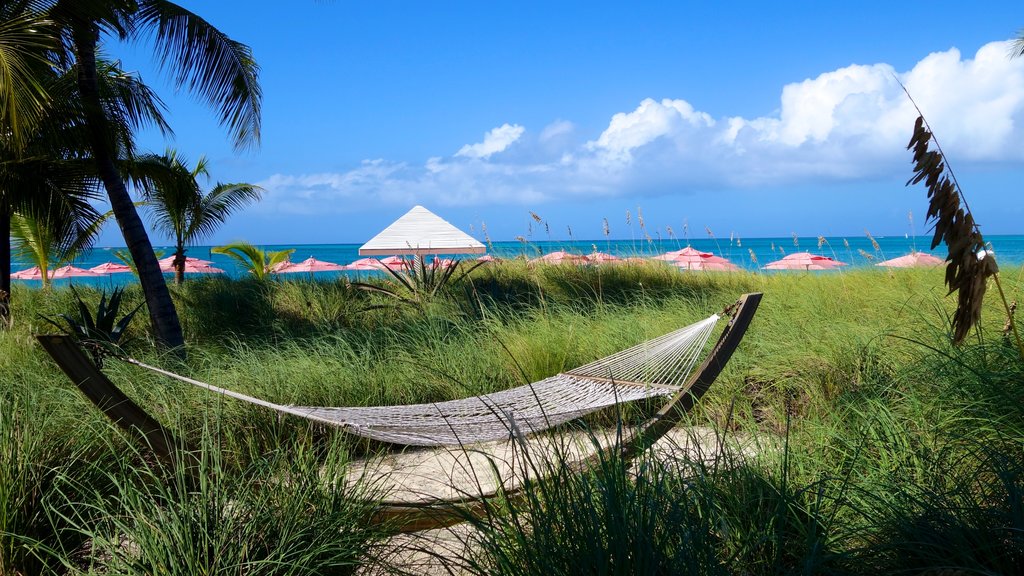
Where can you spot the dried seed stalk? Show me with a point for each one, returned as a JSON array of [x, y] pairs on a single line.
[[969, 263]]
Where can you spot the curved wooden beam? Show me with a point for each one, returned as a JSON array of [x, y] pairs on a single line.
[[73, 361]]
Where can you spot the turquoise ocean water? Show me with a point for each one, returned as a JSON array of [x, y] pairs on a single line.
[[749, 253]]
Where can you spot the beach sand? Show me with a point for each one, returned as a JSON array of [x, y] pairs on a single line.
[[424, 474]]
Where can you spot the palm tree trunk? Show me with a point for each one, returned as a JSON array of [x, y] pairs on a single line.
[[162, 315], [179, 266], [5, 266]]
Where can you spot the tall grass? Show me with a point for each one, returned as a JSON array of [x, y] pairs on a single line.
[[286, 513], [883, 448]]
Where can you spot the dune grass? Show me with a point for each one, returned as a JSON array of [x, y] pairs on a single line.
[[884, 448]]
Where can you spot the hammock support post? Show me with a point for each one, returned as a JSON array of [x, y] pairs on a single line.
[[108, 397], [404, 516]]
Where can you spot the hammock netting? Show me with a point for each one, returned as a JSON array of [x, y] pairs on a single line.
[[658, 367]]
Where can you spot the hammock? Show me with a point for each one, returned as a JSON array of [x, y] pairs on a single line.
[[628, 374], [654, 368]]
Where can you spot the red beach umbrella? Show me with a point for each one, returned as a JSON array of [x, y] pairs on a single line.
[[804, 261], [560, 257], [311, 265], [110, 268], [913, 260]]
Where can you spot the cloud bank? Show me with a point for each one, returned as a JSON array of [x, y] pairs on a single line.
[[844, 125]]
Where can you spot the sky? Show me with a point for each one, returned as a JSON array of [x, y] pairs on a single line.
[[751, 119]]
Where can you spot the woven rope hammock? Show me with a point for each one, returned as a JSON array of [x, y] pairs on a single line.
[[654, 368]]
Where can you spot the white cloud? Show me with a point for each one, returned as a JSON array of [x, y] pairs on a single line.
[[556, 129], [497, 140], [846, 124]]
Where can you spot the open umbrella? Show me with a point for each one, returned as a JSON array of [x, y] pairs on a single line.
[[804, 261], [311, 265], [396, 263], [692, 259], [365, 264], [33, 273], [560, 257], [70, 271], [913, 260], [443, 262], [191, 265], [707, 264], [110, 268], [488, 258], [602, 258]]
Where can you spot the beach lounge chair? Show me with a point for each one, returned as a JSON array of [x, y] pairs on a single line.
[[662, 367]]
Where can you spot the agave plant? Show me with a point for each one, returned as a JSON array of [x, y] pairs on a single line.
[[260, 263], [420, 282], [101, 333]]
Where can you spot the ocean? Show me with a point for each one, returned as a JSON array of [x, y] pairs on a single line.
[[749, 253]]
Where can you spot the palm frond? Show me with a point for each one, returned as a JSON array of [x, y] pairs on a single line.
[[25, 41], [219, 70], [216, 206]]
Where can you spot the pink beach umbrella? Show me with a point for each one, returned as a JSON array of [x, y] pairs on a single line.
[[196, 265], [560, 257], [913, 260], [804, 261], [396, 263], [311, 265], [445, 262], [692, 259], [684, 254], [110, 268], [488, 258], [602, 258], [33, 273], [365, 264], [707, 264], [70, 271]]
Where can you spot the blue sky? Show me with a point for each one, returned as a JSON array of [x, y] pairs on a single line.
[[754, 119]]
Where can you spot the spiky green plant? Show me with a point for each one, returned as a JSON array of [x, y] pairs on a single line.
[[419, 283]]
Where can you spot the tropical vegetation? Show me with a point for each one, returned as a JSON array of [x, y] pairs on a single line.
[[178, 205], [253, 259], [47, 35], [872, 446]]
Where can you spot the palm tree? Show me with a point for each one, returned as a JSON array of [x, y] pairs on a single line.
[[50, 167], [179, 206], [53, 234], [219, 70], [258, 262]]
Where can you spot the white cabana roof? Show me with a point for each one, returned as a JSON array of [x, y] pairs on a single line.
[[420, 231]]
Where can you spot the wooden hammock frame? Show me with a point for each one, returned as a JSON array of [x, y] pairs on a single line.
[[421, 515]]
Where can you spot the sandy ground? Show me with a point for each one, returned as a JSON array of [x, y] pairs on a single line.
[[423, 474]]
